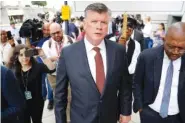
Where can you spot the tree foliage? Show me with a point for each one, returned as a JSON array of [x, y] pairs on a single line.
[[39, 3]]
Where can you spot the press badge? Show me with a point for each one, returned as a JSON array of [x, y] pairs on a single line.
[[28, 95]]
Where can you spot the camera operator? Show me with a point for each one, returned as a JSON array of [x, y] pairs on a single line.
[[6, 43], [46, 34]]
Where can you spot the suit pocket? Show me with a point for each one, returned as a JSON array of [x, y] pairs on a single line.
[[78, 110]]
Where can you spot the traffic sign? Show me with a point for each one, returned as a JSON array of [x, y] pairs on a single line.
[[66, 12]]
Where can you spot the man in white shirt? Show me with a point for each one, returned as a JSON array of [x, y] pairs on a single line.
[[52, 47], [15, 32], [133, 47], [147, 31], [5, 47], [159, 81]]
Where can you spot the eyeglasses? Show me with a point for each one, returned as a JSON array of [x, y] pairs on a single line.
[[174, 49], [54, 33]]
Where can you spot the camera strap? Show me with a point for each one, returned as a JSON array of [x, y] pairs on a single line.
[[27, 93]]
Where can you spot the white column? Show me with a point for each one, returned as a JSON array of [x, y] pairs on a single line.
[[183, 17]]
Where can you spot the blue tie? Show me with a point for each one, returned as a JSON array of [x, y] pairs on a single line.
[[167, 91]]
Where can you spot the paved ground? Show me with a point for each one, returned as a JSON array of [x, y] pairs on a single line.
[[49, 117]]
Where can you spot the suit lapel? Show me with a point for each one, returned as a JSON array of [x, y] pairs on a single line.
[[182, 73], [158, 62], [110, 54], [86, 67]]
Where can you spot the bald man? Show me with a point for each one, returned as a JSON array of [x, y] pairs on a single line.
[[159, 82], [46, 34], [53, 46]]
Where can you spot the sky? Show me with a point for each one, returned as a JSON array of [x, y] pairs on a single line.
[[50, 3]]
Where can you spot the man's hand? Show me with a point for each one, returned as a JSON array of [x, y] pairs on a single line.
[[124, 119], [11, 42], [54, 58], [122, 40], [40, 51], [140, 110]]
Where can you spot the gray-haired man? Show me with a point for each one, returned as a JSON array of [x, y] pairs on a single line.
[[100, 87]]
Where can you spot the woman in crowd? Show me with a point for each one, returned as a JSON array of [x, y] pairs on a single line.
[[159, 35], [29, 76], [82, 34]]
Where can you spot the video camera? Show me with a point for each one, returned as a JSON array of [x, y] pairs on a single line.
[[31, 29]]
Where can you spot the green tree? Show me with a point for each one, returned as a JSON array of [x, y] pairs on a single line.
[[39, 3]]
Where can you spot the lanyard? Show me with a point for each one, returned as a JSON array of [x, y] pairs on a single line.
[[25, 79], [58, 49]]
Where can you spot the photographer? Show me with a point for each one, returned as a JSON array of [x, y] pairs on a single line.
[[29, 76], [46, 34], [6, 43]]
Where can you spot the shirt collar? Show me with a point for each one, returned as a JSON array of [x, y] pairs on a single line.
[[4, 44], [167, 58], [55, 42], [89, 46], [165, 55], [128, 41]]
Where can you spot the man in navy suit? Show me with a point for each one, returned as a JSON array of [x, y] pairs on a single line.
[[12, 101], [159, 82], [97, 71]]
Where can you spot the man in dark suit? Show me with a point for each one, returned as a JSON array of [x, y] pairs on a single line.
[[12, 101], [136, 34], [159, 82], [97, 71]]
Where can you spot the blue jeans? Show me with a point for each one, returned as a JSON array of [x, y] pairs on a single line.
[[148, 43], [46, 88]]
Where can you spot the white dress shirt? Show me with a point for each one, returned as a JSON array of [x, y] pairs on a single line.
[[5, 51], [147, 31], [91, 54], [173, 105], [15, 33], [133, 33], [52, 51], [137, 51]]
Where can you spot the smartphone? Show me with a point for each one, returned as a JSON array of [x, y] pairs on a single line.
[[31, 52], [9, 35]]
